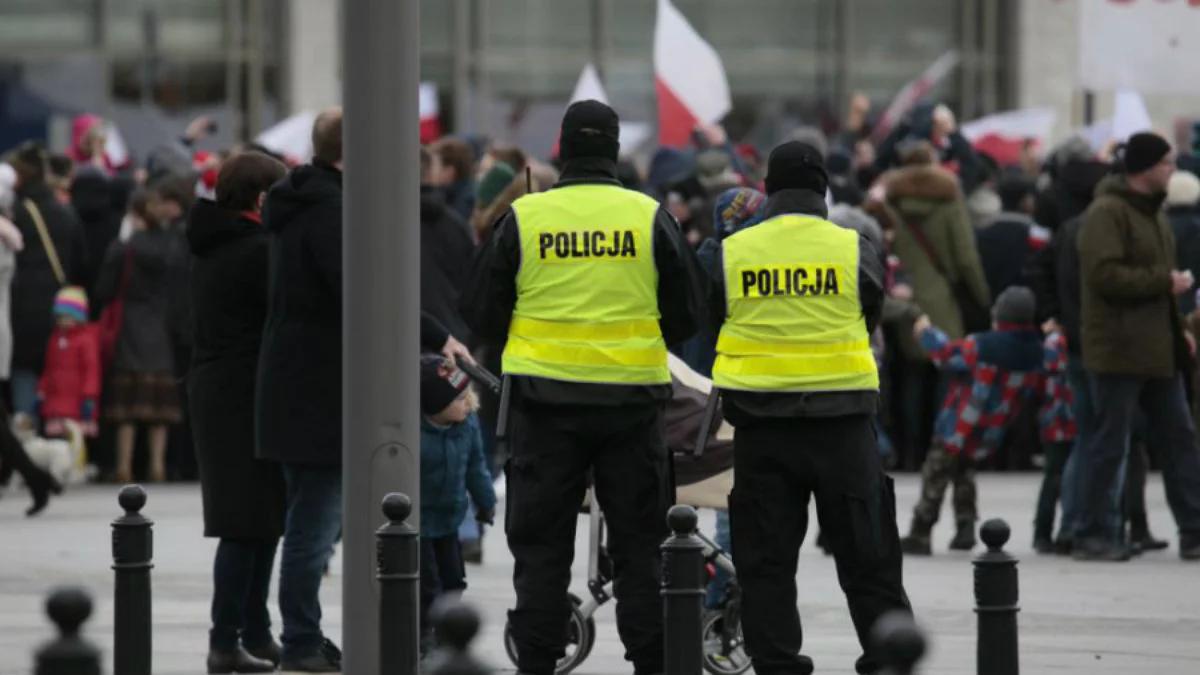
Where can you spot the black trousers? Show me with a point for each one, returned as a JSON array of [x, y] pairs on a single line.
[[778, 465], [241, 582], [442, 572], [553, 450]]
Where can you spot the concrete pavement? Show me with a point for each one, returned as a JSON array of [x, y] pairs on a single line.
[[1138, 617]]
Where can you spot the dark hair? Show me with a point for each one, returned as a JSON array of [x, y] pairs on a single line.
[[327, 136], [426, 163], [180, 189], [139, 205], [29, 161], [456, 153], [244, 177], [60, 165], [510, 155]]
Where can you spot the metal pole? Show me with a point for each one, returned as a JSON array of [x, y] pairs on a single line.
[[381, 451], [996, 603], [133, 549], [399, 577], [683, 594], [69, 653]]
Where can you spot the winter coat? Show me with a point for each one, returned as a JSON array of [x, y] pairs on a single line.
[[34, 287], [446, 247], [144, 344], [1005, 244], [243, 496], [72, 372], [1131, 324], [100, 202], [460, 196], [928, 197], [299, 397], [452, 465], [10, 244], [1185, 225], [1070, 193]]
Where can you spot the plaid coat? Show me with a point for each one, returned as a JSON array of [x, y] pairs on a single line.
[[994, 374]]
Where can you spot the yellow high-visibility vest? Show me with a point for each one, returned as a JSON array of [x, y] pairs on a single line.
[[587, 289], [793, 319]]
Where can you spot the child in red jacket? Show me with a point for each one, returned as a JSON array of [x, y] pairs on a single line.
[[70, 384]]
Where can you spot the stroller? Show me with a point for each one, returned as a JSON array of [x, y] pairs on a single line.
[[703, 452]]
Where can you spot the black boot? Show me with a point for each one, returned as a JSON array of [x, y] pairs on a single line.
[[917, 541], [1139, 534], [267, 651], [41, 485], [236, 660], [964, 537]]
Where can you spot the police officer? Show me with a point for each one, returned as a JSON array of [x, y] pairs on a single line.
[[588, 283], [796, 301]]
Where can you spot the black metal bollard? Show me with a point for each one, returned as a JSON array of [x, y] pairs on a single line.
[[398, 551], [996, 603], [457, 625], [69, 653], [683, 581], [133, 549], [899, 643]]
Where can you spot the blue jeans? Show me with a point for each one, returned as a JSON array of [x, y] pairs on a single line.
[[1105, 452], [24, 384], [241, 582], [314, 521]]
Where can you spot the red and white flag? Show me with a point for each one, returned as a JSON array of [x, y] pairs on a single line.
[[912, 92], [431, 126], [688, 78], [1003, 135]]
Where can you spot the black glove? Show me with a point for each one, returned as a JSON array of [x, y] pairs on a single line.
[[486, 516]]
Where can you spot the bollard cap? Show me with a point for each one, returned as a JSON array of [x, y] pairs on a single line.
[[995, 534], [68, 608], [456, 623], [132, 499], [682, 519], [898, 640], [397, 507]]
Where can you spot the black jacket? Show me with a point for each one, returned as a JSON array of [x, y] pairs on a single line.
[[491, 295], [1004, 250], [446, 248], [243, 496], [299, 396], [99, 201], [145, 344], [35, 285], [1185, 223], [741, 407]]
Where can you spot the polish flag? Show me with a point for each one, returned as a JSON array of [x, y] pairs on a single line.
[[912, 92], [431, 126], [688, 78], [589, 87], [1003, 135]]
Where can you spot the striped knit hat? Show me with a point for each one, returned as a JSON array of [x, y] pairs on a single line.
[[72, 301]]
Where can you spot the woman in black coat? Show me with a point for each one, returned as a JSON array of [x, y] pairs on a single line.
[[243, 496]]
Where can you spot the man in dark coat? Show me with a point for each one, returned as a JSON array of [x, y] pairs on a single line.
[[445, 247], [1134, 347], [299, 397], [243, 497], [41, 270]]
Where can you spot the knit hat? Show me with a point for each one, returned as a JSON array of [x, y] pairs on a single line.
[[714, 171], [1183, 189], [1015, 305], [736, 209], [589, 129], [441, 383], [493, 183], [1143, 151], [72, 301], [796, 165]]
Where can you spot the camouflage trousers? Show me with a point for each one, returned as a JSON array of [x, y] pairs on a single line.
[[937, 473]]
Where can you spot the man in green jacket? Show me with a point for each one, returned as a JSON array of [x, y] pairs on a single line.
[[1134, 348]]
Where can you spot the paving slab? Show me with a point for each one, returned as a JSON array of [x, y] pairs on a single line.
[[1137, 617]]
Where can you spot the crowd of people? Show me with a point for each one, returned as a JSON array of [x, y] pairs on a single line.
[[1038, 312]]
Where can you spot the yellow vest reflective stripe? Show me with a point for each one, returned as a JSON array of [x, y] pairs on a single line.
[[793, 320], [587, 289]]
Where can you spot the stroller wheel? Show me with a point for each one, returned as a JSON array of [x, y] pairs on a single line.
[[581, 637], [724, 649]]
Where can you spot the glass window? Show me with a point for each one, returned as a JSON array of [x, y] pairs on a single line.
[[45, 24]]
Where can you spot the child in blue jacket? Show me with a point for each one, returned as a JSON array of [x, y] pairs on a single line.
[[452, 464]]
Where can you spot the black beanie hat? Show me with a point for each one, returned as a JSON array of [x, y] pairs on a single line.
[[441, 383], [589, 129], [1015, 305], [796, 165], [1143, 151]]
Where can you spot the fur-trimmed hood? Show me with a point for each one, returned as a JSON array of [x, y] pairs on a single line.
[[926, 182]]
